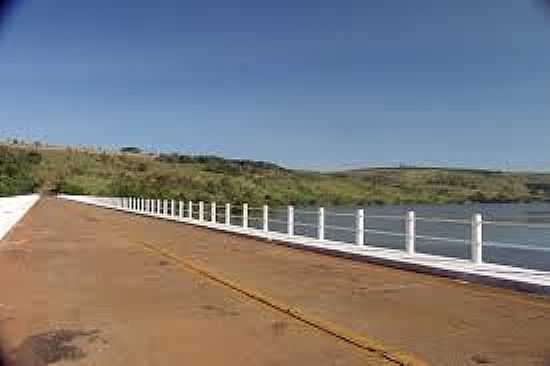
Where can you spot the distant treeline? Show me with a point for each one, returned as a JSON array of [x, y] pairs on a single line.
[[221, 165]]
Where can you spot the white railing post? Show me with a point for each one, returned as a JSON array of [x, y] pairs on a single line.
[[290, 221], [365, 228], [190, 212], [180, 209], [228, 213], [266, 218], [245, 215], [173, 208], [321, 224], [360, 227], [159, 206], [201, 211], [410, 228], [477, 239], [213, 212], [165, 208]]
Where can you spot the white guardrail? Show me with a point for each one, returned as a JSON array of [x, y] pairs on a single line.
[[225, 214]]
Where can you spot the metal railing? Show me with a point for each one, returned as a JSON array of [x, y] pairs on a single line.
[[225, 214]]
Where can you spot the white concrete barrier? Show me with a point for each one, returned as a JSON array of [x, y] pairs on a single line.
[[13, 209]]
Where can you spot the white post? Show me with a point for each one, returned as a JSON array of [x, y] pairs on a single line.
[[245, 215], [159, 207], [228, 213], [360, 227], [190, 212], [173, 209], [290, 221], [321, 224], [410, 228], [201, 211], [165, 208], [266, 218], [365, 228], [477, 239], [213, 212], [180, 209]]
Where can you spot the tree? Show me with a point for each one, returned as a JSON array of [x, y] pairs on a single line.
[[131, 150]]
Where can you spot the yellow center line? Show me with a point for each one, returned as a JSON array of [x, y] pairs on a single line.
[[346, 335]]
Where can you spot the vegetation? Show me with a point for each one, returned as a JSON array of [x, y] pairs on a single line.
[[16, 168], [130, 149], [210, 178]]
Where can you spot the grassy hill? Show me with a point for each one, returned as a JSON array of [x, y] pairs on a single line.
[[209, 178]]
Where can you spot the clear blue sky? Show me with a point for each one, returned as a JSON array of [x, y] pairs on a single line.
[[305, 83]]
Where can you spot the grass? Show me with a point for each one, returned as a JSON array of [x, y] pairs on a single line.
[[207, 178]]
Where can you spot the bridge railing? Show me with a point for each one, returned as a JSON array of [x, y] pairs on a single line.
[[260, 218]]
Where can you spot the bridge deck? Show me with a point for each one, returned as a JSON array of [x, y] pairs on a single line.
[[83, 267]]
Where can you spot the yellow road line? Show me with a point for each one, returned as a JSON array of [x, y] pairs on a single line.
[[346, 335]]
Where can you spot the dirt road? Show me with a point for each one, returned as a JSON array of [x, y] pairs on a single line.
[[84, 272]]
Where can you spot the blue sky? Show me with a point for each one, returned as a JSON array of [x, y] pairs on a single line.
[[309, 84]]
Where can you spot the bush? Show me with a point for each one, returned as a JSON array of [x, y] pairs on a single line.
[[131, 149], [16, 171]]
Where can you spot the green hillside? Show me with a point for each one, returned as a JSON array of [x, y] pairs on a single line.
[[210, 178]]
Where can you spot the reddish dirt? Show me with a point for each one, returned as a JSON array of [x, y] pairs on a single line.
[[83, 267]]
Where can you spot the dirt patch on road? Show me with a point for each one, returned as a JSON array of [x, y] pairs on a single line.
[[54, 346]]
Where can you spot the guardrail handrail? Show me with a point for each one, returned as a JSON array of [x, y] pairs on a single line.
[[224, 213]]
